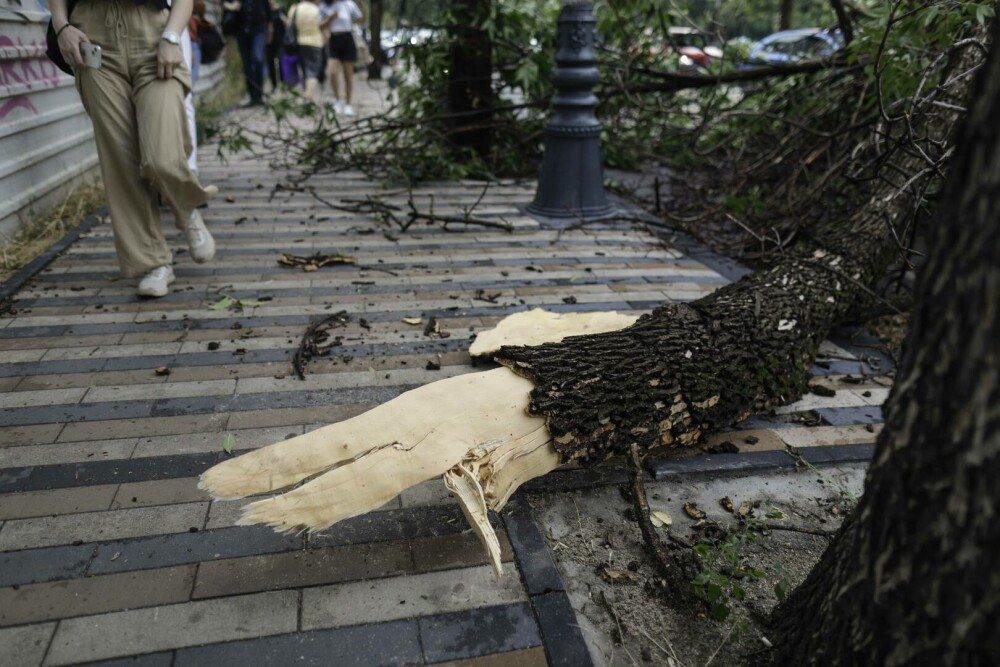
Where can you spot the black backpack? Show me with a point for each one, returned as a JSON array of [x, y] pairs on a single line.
[[52, 42], [212, 43], [290, 42]]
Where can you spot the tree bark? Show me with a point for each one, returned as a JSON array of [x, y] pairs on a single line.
[[376, 9], [470, 91], [688, 369], [911, 577], [786, 14]]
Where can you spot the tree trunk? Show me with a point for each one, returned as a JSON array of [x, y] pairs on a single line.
[[685, 370], [376, 9], [911, 577], [470, 91], [786, 13]]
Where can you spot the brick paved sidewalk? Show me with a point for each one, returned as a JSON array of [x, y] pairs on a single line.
[[107, 548]]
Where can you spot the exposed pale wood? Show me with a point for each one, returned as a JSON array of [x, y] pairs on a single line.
[[539, 326]]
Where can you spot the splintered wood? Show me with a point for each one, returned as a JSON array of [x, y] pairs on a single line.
[[473, 430]]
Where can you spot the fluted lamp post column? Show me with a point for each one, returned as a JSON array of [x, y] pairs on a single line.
[[571, 183]]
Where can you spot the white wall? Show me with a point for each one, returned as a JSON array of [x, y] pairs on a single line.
[[46, 142]]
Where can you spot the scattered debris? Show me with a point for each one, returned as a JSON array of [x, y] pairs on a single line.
[[822, 390], [316, 341], [213, 346], [227, 443], [661, 518], [724, 447], [433, 366], [481, 295], [618, 576], [314, 262], [162, 370], [415, 321], [751, 440], [228, 302], [691, 509], [569, 299]]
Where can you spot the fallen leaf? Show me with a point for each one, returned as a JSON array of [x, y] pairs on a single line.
[[230, 199], [222, 304], [162, 370], [618, 575], [692, 511], [660, 518], [227, 444], [745, 508], [117, 554], [413, 320], [727, 503]]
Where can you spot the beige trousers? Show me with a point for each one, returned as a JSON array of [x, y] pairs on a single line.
[[140, 128]]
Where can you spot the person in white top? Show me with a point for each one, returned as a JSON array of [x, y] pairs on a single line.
[[341, 16]]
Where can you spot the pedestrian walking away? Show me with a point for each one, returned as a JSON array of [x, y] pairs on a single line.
[[253, 34], [342, 51], [134, 95], [274, 46], [304, 28]]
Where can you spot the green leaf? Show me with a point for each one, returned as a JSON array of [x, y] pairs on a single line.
[[714, 592], [781, 589], [720, 612], [228, 442], [223, 304]]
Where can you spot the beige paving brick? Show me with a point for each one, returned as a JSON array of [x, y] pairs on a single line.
[[98, 379], [32, 434], [767, 439], [228, 371], [160, 390], [529, 657], [19, 356], [841, 399], [874, 396], [8, 384], [56, 501], [403, 597], [173, 626], [25, 646], [95, 526], [819, 436], [194, 443], [23, 399], [317, 381], [159, 492], [37, 455], [296, 569], [296, 416], [110, 351], [46, 342], [94, 595], [116, 428]]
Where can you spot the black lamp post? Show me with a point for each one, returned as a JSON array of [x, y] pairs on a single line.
[[571, 184]]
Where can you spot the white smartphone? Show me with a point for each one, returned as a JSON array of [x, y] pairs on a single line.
[[91, 55]]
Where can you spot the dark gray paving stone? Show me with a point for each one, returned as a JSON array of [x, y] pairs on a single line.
[[755, 461], [534, 560], [183, 548], [401, 524], [868, 414], [38, 565], [149, 660], [478, 632], [561, 636], [28, 368], [388, 644], [48, 414], [38, 478]]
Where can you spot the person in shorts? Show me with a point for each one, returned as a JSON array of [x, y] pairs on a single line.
[[341, 50], [310, 40]]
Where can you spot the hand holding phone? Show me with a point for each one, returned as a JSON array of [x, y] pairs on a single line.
[[91, 55]]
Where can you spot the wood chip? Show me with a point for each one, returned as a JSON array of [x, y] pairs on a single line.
[[692, 511]]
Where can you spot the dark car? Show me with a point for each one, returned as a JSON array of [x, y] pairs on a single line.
[[790, 46]]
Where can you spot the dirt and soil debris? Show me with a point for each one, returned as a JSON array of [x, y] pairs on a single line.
[[612, 582]]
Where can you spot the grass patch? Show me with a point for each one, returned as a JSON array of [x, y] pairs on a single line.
[[224, 97], [44, 230]]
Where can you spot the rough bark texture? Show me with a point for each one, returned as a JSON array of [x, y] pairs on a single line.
[[470, 91], [912, 576], [375, 9], [686, 369]]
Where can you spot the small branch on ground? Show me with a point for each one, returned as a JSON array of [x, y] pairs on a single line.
[[316, 341]]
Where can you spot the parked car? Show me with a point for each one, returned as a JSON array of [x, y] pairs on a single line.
[[790, 46], [695, 48]]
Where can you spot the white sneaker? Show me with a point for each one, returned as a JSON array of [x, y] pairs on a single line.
[[338, 106], [200, 242], [347, 110], [155, 282]]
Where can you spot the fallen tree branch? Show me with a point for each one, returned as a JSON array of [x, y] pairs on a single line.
[[669, 82], [312, 346]]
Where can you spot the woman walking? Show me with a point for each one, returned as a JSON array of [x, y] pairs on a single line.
[[342, 52], [305, 17], [135, 100]]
